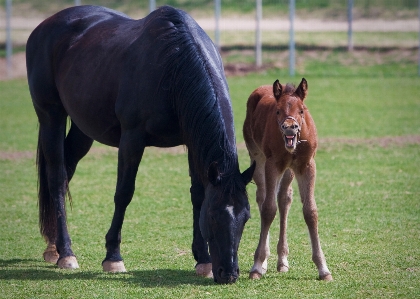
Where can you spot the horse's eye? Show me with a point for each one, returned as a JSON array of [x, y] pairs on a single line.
[[301, 111], [278, 112]]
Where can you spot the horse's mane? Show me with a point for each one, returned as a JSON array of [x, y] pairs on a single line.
[[195, 85]]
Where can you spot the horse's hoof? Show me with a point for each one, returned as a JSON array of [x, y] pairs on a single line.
[[255, 275], [50, 254], [204, 270], [327, 277], [68, 262], [282, 268], [113, 267]]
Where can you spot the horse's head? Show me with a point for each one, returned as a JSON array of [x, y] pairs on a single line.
[[224, 212], [290, 111]]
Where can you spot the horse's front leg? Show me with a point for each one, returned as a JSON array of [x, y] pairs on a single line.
[[306, 182], [129, 156], [199, 245], [266, 179], [284, 200]]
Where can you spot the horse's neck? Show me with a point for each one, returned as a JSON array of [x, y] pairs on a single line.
[[216, 142]]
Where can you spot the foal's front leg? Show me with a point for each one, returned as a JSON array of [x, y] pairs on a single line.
[[266, 179], [284, 200], [306, 182], [129, 156]]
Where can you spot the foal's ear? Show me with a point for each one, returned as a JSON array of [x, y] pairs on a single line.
[[277, 89], [213, 174], [302, 90], [247, 174]]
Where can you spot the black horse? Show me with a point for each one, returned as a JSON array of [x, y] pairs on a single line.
[[158, 81]]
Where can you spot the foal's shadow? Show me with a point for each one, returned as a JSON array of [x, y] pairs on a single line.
[[35, 270]]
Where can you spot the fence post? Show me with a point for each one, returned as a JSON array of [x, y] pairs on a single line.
[[9, 38], [217, 9], [419, 43], [258, 43], [292, 38], [350, 25], [152, 5]]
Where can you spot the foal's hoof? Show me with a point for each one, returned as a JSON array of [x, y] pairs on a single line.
[[255, 275], [68, 262], [327, 277], [113, 267], [204, 270], [50, 254]]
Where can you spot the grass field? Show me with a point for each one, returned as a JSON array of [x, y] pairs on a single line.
[[367, 194]]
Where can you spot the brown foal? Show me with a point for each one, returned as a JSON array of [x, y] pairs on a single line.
[[281, 137]]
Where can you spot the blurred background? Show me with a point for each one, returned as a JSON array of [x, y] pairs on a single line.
[[329, 37]]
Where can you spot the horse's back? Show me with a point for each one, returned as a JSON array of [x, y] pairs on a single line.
[[84, 58], [58, 33], [261, 107], [107, 71]]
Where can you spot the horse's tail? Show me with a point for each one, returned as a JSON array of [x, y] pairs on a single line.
[[47, 217]]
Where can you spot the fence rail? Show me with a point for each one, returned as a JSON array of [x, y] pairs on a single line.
[[253, 25]]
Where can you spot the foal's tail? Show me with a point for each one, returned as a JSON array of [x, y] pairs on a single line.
[[47, 210]]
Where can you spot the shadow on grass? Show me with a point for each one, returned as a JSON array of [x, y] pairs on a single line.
[[34, 270]]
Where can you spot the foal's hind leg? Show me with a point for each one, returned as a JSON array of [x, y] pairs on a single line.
[[284, 200], [76, 146], [266, 179], [306, 182]]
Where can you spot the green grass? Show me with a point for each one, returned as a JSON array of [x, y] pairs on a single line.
[[367, 196]]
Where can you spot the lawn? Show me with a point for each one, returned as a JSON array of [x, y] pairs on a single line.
[[367, 194]]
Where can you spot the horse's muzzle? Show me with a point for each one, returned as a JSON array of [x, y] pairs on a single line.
[[224, 277]]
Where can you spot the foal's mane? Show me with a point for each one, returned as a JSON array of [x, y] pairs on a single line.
[[289, 88], [197, 82]]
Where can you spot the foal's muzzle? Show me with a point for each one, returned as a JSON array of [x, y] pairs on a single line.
[[291, 130]]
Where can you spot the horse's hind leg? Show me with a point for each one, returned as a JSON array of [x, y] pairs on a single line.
[[306, 182], [284, 200], [53, 185], [266, 179], [76, 146]]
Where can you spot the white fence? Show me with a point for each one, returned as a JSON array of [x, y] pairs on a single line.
[[250, 29]]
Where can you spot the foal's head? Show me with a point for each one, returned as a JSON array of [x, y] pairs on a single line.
[[290, 111]]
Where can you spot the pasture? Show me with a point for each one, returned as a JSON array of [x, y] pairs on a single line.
[[367, 192]]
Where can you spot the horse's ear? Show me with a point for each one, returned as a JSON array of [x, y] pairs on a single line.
[[277, 89], [213, 174], [247, 174], [302, 90]]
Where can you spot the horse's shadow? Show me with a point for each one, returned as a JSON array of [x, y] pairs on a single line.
[[30, 270]]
